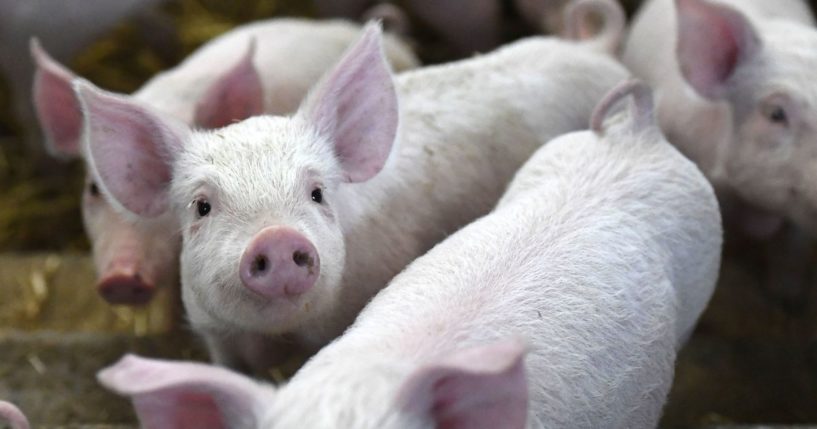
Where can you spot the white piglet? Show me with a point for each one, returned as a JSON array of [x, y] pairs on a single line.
[[291, 224], [265, 67], [563, 308], [735, 91]]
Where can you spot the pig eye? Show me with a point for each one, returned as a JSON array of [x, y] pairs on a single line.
[[778, 115], [203, 207], [317, 195], [93, 189]]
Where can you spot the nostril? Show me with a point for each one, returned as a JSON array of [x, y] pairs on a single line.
[[302, 259], [259, 265]]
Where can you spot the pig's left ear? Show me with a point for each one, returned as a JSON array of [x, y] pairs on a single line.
[[713, 41], [170, 395], [480, 388], [234, 96], [355, 108]]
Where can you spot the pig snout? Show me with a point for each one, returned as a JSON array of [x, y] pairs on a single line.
[[279, 262], [125, 285]]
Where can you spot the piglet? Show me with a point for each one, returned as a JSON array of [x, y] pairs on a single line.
[[12, 415], [564, 307], [291, 224], [218, 84], [734, 90], [735, 95]]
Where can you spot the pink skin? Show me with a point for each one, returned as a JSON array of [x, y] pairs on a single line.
[[13, 416], [279, 262], [133, 260]]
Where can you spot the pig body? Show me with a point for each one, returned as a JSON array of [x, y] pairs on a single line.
[[291, 56], [135, 258], [733, 90], [601, 255], [599, 259], [464, 130]]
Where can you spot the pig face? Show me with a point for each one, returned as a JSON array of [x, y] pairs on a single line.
[[132, 259], [258, 204], [763, 73], [772, 159], [258, 201], [480, 387]]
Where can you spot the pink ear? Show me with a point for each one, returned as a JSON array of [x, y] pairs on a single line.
[[713, 40], [355, 107], [480, 388], [130, 149], [11, 414], [169, 395], [56, 105], [236, 95]]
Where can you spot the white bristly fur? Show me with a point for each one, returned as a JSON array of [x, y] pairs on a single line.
[[601, 255]]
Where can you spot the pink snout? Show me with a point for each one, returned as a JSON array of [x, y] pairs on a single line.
[[279, 262], [125, 287]]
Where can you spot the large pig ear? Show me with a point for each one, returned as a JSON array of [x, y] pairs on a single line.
[[355, 107], [236, 95], [642, 108], [170, 395], [713, 41], [130, 149], [479, 388], [13, 416], [56, 104]]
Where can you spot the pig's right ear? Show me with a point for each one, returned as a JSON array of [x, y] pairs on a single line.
[[56, 104], [11, 414], [479, 388], [171, 395], [713, 41], [130, 149], [355, 108]]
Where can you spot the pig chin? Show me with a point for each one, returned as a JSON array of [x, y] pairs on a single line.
[[235, 305]]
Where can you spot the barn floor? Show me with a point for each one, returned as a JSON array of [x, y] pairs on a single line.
[[748, 363]]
